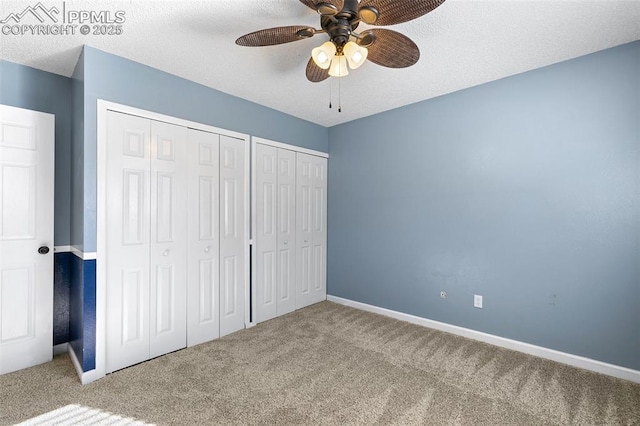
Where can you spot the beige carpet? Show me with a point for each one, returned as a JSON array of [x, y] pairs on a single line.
[[329, 364]]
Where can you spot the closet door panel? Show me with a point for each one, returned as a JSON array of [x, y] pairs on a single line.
[[204, 242], [266, 278], [168, 277], [232, 234], [319, 229], [286, 228], [128, 240], [311, 227], [304, 233]]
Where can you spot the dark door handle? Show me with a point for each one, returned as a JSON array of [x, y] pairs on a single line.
[[43, 250]]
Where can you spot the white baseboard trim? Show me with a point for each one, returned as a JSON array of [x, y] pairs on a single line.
[[75, 362], [60, 349], [539, 351], [85, 377], [76, 251], [84, 255]]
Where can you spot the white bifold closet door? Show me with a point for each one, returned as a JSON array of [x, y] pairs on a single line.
[[175, 238], [311, 229], [146, 241], [204, 236], [275, 230], [216, 259], [232, 235], [290, 234]]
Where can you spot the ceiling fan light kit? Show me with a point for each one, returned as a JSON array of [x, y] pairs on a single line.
[[346, 48], [356, 55], [338, 67], [323, 55], [327, 56]]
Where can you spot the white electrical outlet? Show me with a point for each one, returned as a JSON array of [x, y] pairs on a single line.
[[477, 301], [443, 294]]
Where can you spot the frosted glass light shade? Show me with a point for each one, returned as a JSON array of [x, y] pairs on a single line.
[[322, 55], [338, 66], [356, 55]]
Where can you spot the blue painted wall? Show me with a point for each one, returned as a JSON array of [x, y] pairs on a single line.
[[82, 321], [525, 190], [61, 297]]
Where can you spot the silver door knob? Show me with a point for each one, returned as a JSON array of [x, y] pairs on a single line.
[[165, 253], [286, 242], [206, 249], [305, 240]]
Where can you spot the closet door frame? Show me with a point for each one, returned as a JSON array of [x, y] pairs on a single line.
[[254, 224], [101, 271]]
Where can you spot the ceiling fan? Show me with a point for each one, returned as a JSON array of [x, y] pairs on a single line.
[[347, 48]]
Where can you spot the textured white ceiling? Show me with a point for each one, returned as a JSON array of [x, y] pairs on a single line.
[[463, 43]]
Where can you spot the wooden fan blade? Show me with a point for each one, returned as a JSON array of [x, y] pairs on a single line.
[[391, 12], [391, 49], [316, 4], [316, 74], [272, 36]]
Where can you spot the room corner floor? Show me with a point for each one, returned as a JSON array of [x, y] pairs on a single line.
[[332, 364]]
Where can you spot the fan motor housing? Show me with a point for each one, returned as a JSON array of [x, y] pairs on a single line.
[[339, 31], [340, 26]]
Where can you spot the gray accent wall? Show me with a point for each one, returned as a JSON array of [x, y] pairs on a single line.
[[29, 88], [525, 190], [77, 155], [120, 80]]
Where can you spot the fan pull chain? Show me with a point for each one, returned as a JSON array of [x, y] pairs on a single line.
[[331, 94], [339, 97]]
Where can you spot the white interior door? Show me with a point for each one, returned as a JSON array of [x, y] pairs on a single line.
[[286, 269], [128, 240], [168, 272], [204, 241], [266, 232], [232, 234], [26, 225]]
